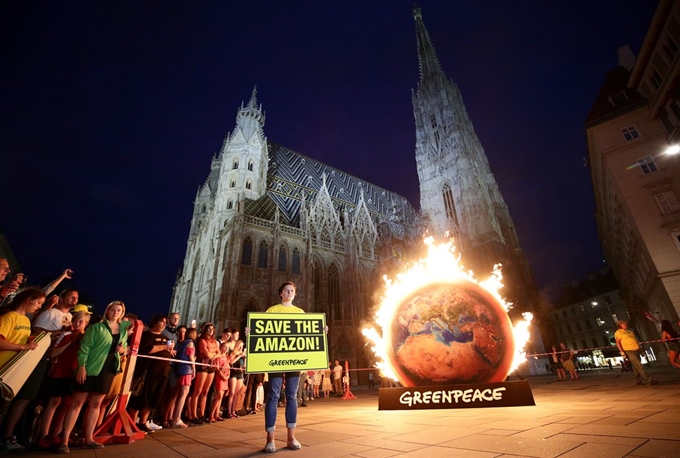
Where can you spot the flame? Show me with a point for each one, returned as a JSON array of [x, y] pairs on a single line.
[[442, 264]]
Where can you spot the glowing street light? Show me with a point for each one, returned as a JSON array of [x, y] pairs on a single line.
[[674, 149]]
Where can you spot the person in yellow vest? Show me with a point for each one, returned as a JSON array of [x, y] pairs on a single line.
[[287, 294], [629, 348]]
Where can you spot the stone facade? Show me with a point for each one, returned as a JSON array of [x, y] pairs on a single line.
[[633, 122]]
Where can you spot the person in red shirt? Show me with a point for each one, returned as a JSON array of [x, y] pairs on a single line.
[[64, 358]]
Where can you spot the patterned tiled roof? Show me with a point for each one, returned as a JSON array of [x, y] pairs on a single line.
[[293, 176]]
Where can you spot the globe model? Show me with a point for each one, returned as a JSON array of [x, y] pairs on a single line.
[[449, 333]]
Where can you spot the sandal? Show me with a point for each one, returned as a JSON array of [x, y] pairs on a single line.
[[219, 419]]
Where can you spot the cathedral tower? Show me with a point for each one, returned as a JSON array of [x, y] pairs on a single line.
[[458, 192]]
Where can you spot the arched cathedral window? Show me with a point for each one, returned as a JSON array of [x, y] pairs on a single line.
[[296, 260], [250, 166], [248, 185], [282, 258], [334, 292], [235, 166], [247, 252], [232, 184], [230, 205], [449, 204], [262, 255]]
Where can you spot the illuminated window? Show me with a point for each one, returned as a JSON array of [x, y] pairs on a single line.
[[614, 317], [667, 201], [583, 307], [600, 321], [630, 132]]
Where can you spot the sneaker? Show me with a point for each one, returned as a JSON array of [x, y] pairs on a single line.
[[153, 426], [63, 449], [11, 445], [270, 447], [143, 427]]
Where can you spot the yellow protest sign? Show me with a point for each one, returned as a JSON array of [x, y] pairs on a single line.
[[286, 342]]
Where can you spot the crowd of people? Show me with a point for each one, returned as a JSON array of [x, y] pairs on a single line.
[[183, 376]]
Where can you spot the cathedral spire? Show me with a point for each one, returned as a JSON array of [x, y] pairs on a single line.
[[252, 103], [427, 57]]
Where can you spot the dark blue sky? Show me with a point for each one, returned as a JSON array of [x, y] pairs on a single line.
[[112, 111]]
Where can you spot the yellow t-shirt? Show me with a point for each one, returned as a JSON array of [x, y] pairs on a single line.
[[280, 308], [628, 340], [15, 328]]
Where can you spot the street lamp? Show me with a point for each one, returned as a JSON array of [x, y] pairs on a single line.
[[673, 149]]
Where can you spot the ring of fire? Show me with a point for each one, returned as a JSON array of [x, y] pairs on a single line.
[[447, 333]]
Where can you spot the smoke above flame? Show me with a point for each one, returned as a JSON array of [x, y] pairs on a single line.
[[442, 264]]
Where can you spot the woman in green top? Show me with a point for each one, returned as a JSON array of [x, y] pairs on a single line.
[[287, 294], [98, 363]]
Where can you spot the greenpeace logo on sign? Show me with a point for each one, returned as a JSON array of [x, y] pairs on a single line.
[[287, 362], [410, 398], [504, 394]]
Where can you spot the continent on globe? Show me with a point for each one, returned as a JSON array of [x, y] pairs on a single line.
[[449, 333]]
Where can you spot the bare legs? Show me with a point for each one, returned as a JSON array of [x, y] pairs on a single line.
[[91, 415]]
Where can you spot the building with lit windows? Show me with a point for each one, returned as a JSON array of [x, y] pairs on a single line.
[[632, 130], [585, 319]]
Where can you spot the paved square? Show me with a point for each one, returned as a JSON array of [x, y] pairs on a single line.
[[600, 416]]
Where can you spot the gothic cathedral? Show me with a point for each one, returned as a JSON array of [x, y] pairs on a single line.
[[267, 214]]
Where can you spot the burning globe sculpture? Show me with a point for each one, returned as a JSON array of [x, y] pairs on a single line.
[[441, 326], [448, 333]]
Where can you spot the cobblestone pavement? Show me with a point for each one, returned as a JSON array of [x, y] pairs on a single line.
[[602, 415]]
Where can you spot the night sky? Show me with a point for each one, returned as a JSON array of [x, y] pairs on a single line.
[[113, 110]]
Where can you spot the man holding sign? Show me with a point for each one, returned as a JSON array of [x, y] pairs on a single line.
[[282, 341]]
